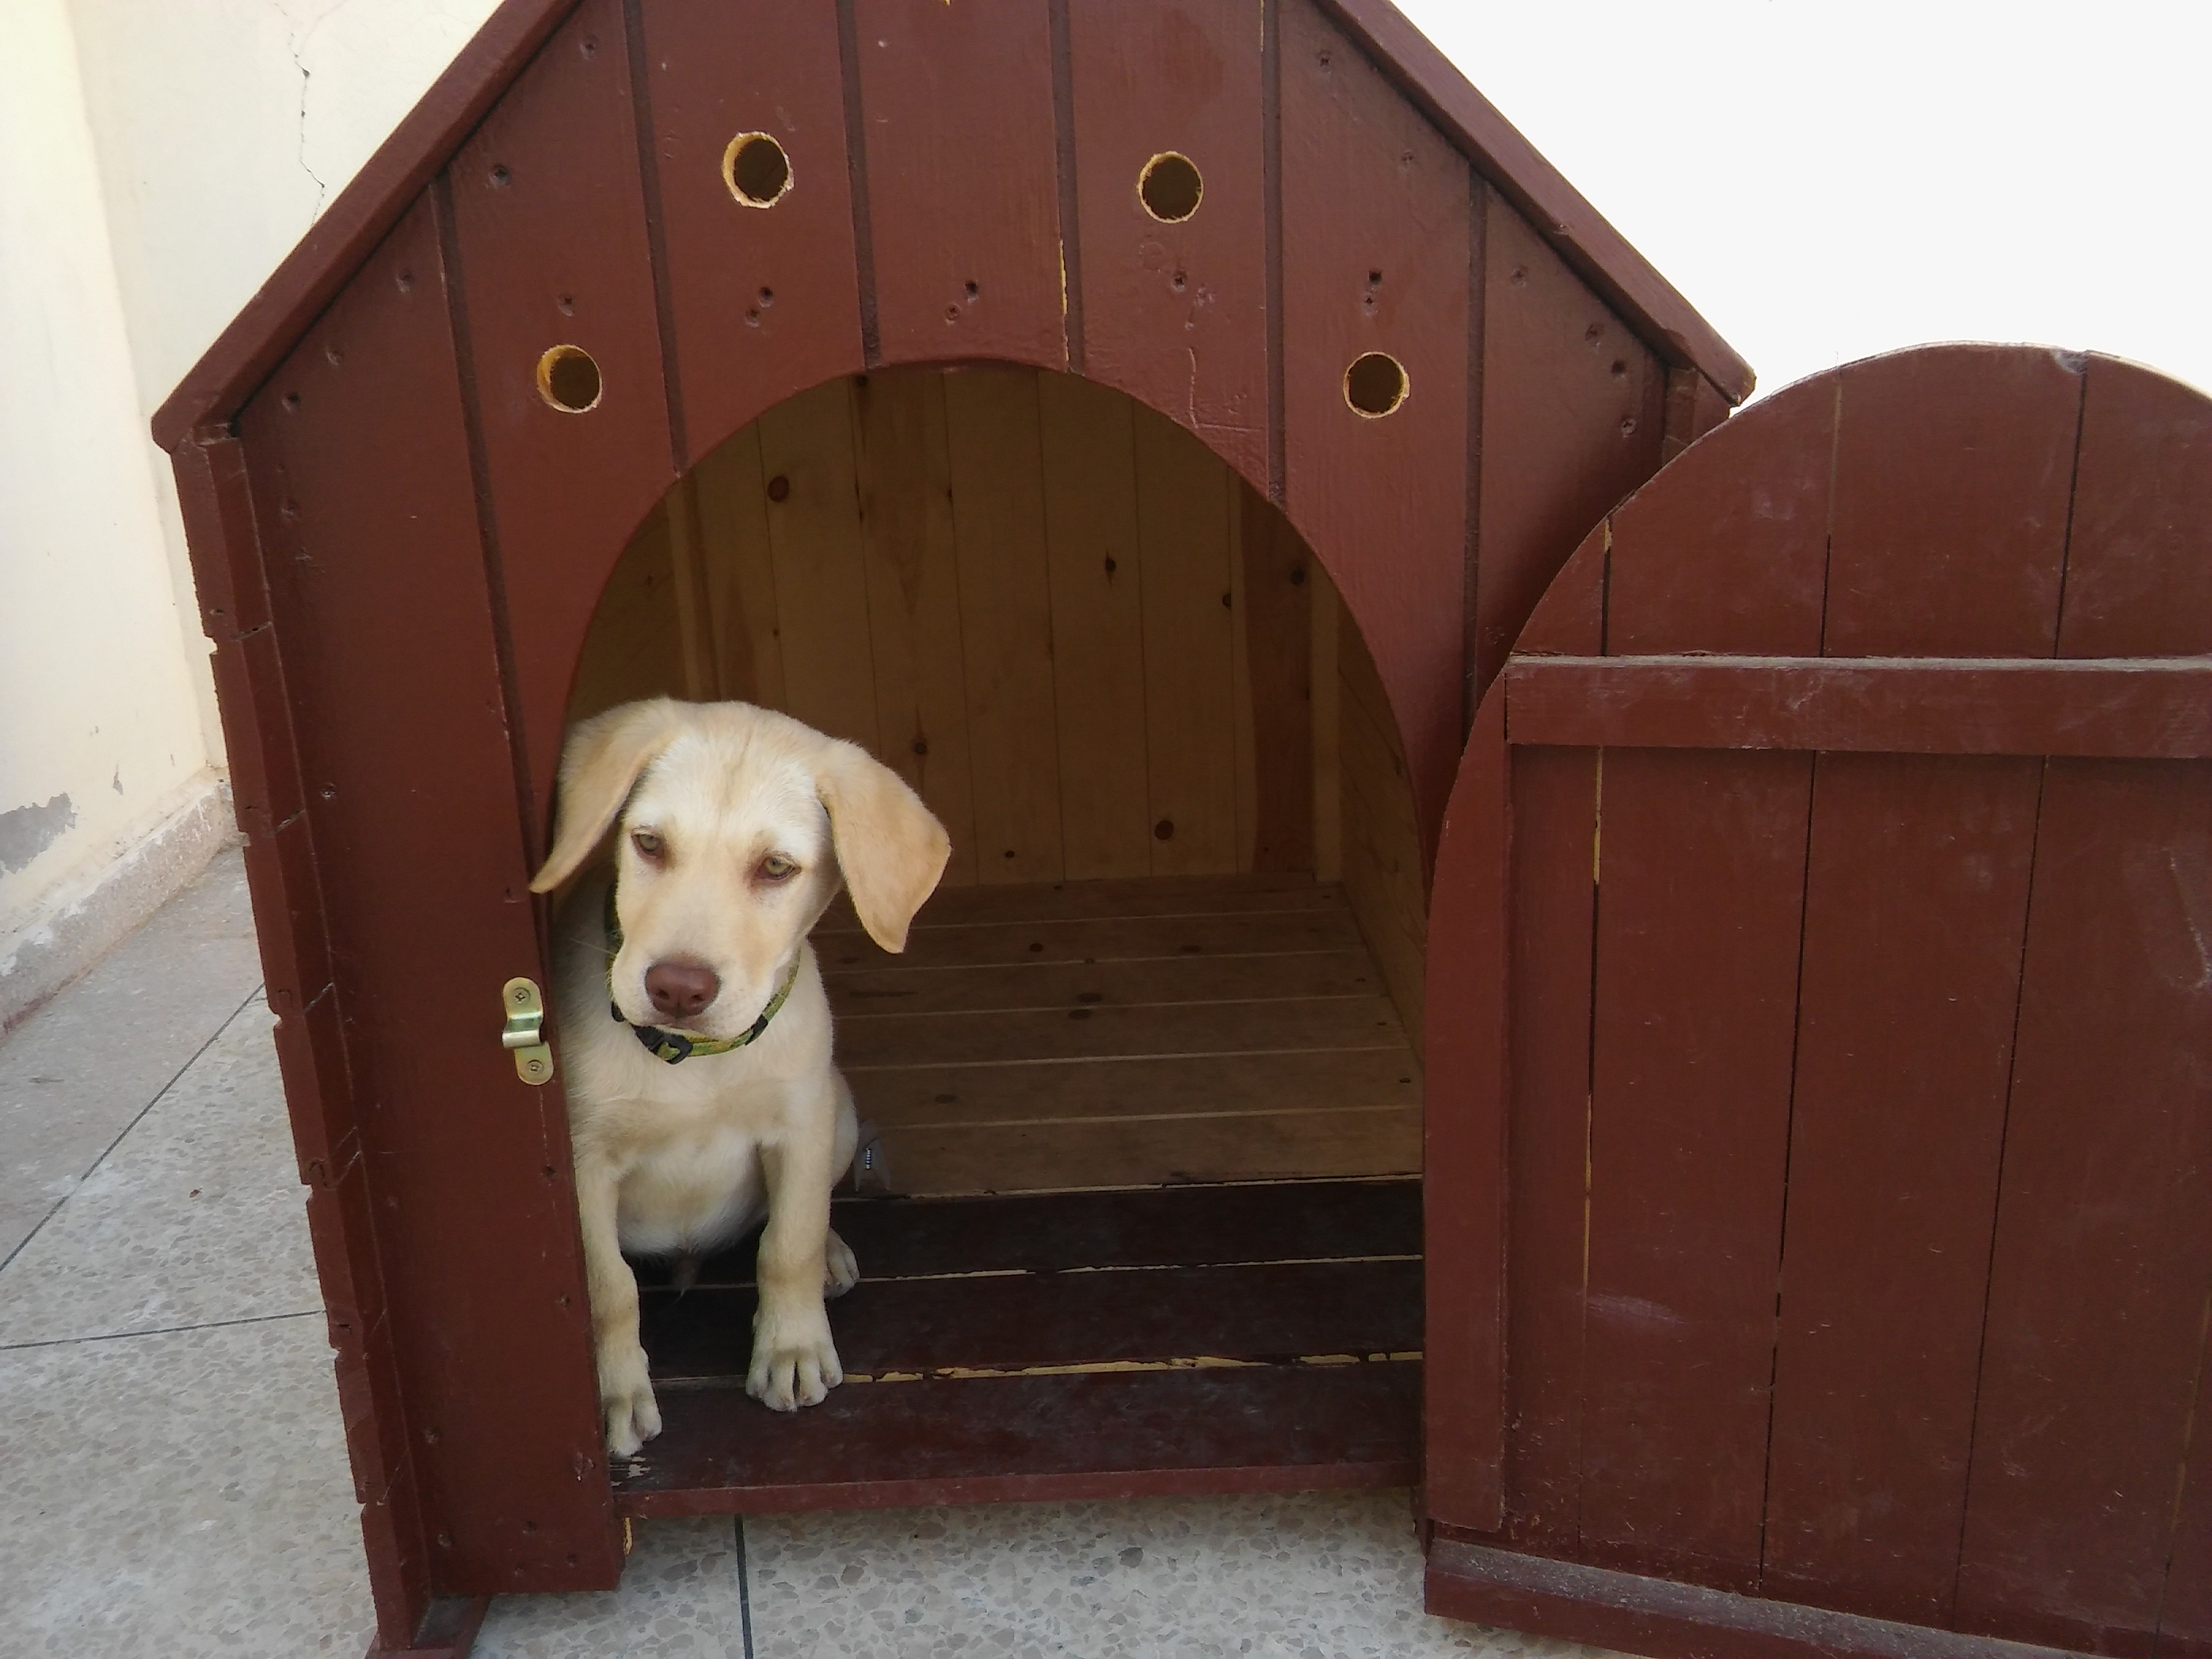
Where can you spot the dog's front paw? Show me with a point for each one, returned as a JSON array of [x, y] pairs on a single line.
[[794, 1361], [842, 1270], [626, 1399]]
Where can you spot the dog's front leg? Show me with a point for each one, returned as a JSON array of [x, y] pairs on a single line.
[[794, 1362], [625, 1392]]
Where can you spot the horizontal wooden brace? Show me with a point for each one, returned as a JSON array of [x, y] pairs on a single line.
[[2145, 708]]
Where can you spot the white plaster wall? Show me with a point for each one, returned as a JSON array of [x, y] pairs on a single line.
[[158, 158], [1829, 178], [223, 128], [98, 730]]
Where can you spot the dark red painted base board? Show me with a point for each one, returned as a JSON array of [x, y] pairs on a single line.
[[1278, 1312], [1667, 1620], [1264, 1337], [1188, 1226], [449, 1630], [977, 1440]]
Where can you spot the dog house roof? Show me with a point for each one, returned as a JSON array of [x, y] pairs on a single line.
[[275, 319]]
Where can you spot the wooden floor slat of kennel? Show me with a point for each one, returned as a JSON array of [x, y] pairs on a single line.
[[1160, 1230], [1122, 1033], [1185, 1339]]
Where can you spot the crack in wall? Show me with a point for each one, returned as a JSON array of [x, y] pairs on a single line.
[[321, 189], [297, 40]]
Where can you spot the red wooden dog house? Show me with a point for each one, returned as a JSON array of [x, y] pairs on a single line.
[[761, 349]]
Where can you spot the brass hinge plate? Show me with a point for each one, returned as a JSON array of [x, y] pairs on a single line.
[[524, 1035]]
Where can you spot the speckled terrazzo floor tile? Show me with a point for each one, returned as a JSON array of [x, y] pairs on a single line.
[[1330, 1575], [679, 1596], [196, 1216], [75, 1074], [181, 1495]]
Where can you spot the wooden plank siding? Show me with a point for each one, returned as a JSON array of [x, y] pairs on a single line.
[[807, 454], [1190, 625], [1553, 894], [2184, 1618], [1280, 582], [1933, 553], [1571, 420], [904, 487], [1174, 312], [1701, 882], [2131, 583], [759, 303], [1377, 238], [216, 492], [369, 565], [1754, 498], [1005, 623], [1096, 553], [1862, 1173], [964, 196], [547, 231], [1916, 901], [729, 501], [1017, 590], [1382, 851], [2095, 1341]]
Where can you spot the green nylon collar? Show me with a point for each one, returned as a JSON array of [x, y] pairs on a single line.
[[674, 1047]]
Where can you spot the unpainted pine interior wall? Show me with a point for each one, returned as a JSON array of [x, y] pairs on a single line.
[[1083, 639]]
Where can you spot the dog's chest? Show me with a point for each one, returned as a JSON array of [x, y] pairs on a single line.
[[691, 1191]]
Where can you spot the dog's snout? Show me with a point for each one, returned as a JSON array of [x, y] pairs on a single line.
[[679, 989]]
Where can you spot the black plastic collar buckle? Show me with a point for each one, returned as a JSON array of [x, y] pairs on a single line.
[[670, 1046]]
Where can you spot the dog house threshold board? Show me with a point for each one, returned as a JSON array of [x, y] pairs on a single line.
[[1190, 1338], [1125, 1033]]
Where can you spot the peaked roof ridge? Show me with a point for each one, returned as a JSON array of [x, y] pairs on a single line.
[[248, 351], [1562, 215]]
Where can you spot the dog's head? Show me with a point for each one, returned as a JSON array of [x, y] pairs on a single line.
[[735, 823]]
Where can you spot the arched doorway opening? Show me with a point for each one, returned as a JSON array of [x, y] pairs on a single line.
[[1182, 936]]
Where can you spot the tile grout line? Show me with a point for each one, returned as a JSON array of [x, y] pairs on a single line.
[[162, 1330], [137, 1118], [744, 1589]]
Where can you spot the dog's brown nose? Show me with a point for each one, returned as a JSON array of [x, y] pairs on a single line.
[[679, 989]]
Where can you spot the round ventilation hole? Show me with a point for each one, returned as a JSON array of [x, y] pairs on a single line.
[[568, 379], [1170, 188], [757, 170], [1375, 385]]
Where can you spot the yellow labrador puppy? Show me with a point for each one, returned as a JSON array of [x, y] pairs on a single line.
[[707, 1096]]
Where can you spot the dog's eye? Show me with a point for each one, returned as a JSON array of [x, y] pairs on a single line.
[[776, 867], [649, 846]]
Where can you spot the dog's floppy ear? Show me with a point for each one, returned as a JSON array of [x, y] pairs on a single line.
[[890, 846], [599, 765]]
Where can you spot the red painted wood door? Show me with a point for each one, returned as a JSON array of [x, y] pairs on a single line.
[[1820, 1192]]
